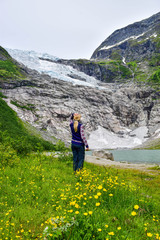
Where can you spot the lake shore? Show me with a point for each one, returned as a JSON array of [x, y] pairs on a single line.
[[124, 165]]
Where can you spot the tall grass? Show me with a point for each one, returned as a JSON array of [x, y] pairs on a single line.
[[41, 198]]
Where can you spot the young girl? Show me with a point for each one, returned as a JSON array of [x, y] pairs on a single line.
[[78, 141]]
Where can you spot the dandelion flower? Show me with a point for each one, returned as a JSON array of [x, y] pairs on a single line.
[[70, 210], [111, 233], [99, 230], [99, 194], [111, 195], [136, 207], [97, 204], [133, 213], [106, 226], [149, 234], [100, 187], [96, 197], [85, 214], [76, 212], [90, 212], [119, 228]]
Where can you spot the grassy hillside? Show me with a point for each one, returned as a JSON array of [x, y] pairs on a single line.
[[9, 69], [13, 133]]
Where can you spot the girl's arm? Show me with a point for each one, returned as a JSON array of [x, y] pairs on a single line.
[[83, 136], [71, 118]]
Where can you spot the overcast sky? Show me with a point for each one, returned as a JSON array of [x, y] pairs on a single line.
[[67, 28]]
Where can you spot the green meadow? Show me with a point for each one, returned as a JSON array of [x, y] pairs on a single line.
[[41, 197]]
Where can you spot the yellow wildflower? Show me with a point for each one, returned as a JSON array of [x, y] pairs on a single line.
[[133, 213], [149, 234], [99, 194], [111, 233], [97, 204], [136, 207], [99, 230]]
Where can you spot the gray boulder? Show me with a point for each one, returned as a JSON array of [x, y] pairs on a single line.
[[103, 154]]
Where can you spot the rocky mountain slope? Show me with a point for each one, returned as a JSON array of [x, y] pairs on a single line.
[[115, 116], [48, 103], [119, 109]]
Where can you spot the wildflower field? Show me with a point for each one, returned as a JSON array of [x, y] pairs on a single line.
[[41, 198]]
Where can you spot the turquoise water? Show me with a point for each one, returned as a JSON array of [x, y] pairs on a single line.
[[135, 156]]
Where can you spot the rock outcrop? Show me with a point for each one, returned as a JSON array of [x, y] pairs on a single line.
[[103, 154]]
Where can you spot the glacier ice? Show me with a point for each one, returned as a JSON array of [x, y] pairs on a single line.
[[41, 62]]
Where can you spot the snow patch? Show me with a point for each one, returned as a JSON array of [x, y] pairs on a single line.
[[104, 139], [117, 44]]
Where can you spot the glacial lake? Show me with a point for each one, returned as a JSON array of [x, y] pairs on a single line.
[[135, 156]]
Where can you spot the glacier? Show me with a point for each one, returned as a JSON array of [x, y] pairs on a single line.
[[46, 63]]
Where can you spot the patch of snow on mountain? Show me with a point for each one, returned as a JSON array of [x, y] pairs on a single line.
[[118, 43], [63, 72], [104, 139]]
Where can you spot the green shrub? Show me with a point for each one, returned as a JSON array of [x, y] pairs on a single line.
[[155, 61], [155, 77], [27, 107]]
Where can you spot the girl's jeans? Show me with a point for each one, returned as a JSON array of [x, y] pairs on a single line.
[[78, 156]]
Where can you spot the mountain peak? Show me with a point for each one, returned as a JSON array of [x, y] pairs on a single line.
[[120, 38]]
